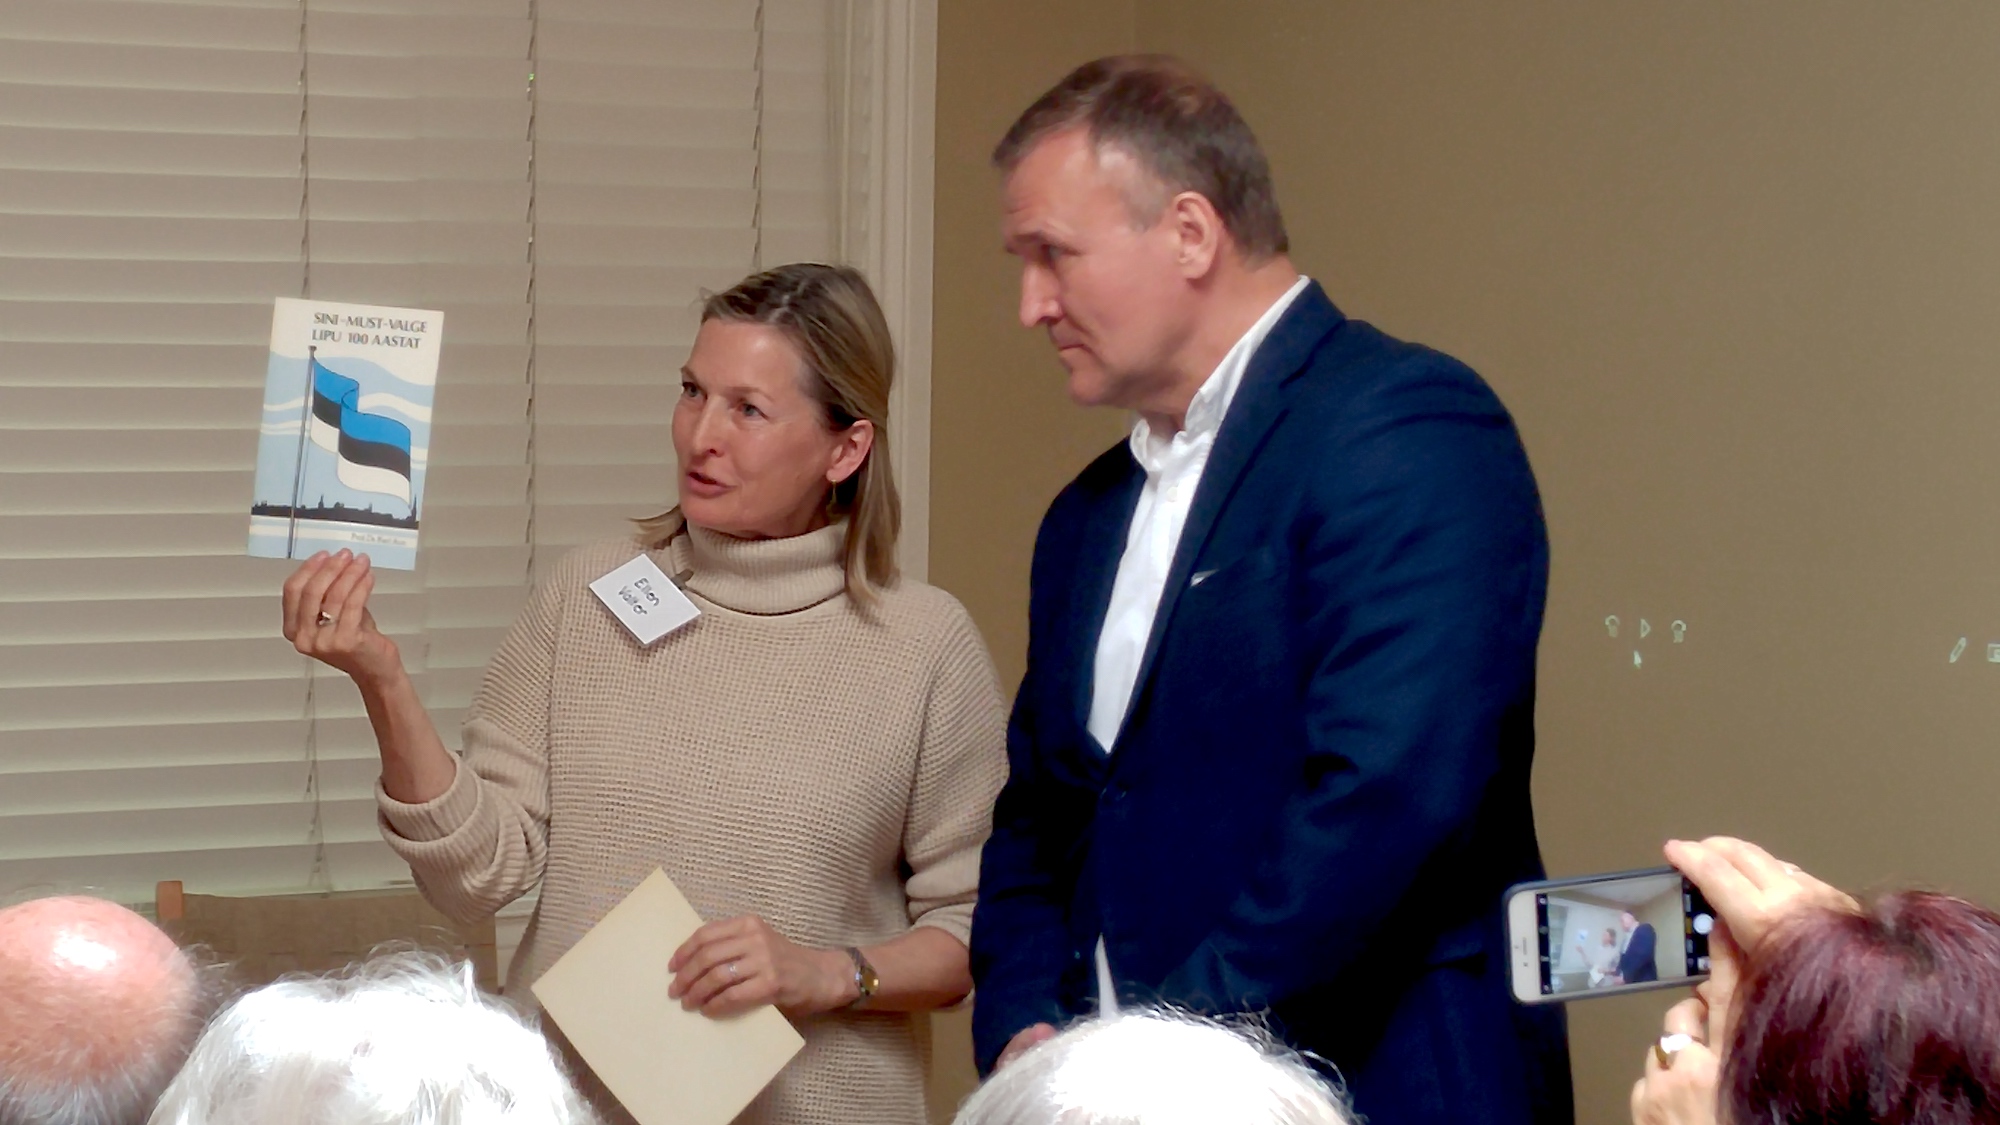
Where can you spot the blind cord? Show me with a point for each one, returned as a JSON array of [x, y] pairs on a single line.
[[534, 405], [841, 111], [319, 878], [757, 155]]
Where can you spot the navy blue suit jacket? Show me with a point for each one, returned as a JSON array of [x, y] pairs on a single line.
[[1636, 964], [1321, 787]]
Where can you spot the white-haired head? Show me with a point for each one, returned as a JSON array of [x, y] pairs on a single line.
[[401, 1039], [1157, 1068]]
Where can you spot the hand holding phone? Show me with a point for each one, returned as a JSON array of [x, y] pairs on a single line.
[[1604, 935], [1752, 889]]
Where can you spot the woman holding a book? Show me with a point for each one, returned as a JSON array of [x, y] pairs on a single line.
[[812, 760]]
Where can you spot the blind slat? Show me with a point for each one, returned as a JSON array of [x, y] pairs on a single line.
[[264, 868], [129, 450], [271, 113], [139, 705], [167, 580], [559, 366], [103, 494], [642, 45], [657, 87], [269, 26], [159, 195], [230, 743], [559, 244], [631, 326], [647, 126], [35, 281], [253, 612], [605, 484], [715, 15], [272, 824], [135, 789], [113, 150], [407, 34], [150, 67], [178, 661]]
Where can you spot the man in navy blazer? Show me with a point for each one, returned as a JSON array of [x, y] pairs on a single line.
[[1636, 964], [1272, 750]]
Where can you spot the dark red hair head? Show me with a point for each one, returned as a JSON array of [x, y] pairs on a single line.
[[1889, 1016]]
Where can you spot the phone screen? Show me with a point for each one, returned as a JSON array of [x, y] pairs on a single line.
[[1620, 934]]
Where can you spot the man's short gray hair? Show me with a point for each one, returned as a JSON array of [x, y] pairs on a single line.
[[401, 1039], [1180, 127], [1157, 1068]]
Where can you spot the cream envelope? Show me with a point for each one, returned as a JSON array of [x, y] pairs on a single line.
[[668, 1066]]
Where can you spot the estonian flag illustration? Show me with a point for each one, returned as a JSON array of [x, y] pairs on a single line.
[[371, 453]]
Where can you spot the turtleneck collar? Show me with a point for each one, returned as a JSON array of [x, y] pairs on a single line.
[[761, 576]]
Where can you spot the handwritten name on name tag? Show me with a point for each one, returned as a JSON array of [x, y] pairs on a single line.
[[644, 600]]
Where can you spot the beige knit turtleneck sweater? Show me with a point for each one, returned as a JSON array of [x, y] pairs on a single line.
[[784, 755]]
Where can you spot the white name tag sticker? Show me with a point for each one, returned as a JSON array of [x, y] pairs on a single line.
[[644, 600]]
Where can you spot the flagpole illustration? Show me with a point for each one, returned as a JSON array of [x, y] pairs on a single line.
[[299, 470]]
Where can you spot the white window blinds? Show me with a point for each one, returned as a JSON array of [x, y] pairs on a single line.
[[679, 145], [166, 169], [562, 177]]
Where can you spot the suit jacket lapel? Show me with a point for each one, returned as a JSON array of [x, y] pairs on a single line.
[[1101, 549], [1258, 405]]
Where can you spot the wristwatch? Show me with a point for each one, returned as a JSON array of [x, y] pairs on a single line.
[[865, 980]]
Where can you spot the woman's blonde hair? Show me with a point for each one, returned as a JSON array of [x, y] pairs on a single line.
[[832, 318]]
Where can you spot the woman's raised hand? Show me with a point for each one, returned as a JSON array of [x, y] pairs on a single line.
[[327, 618], [1751, 891]]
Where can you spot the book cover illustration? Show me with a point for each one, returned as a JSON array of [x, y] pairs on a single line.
[[346, 431]]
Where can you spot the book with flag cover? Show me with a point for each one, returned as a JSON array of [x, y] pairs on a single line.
[[346, 433]]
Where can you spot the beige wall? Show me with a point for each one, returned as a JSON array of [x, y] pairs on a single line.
[[1735, 267], [1005, 437]]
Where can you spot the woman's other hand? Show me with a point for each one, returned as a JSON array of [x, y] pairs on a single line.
[[739, 964], [335, 588], [1683, 1091]]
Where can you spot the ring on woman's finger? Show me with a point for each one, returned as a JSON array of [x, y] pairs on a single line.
[[733, 973], [325, 618], [1670, 1045]]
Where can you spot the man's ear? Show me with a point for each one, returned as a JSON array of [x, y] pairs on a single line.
[[855, 443], [1199, 230]]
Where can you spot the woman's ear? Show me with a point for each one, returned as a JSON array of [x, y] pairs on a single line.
[[851, 452]]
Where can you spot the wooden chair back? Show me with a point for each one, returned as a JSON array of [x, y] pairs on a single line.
[[266, 936]]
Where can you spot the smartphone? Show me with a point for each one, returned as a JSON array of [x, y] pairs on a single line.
[[1603, 935]]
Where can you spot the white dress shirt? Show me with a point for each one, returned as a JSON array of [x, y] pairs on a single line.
[[1173, 465]]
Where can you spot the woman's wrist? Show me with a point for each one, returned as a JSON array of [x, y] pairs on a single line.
[[390, 683], [416, 768], [839, 988]]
